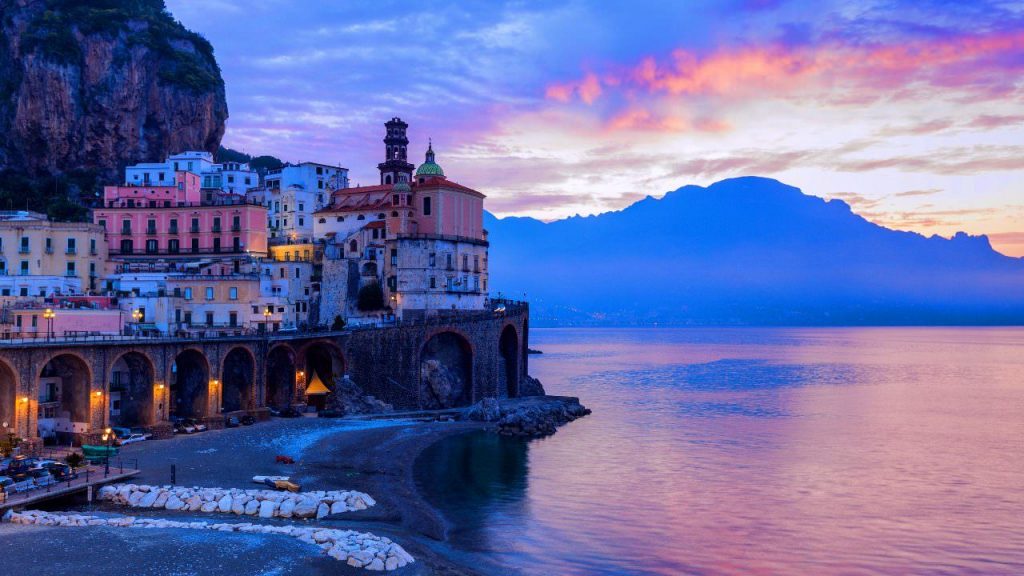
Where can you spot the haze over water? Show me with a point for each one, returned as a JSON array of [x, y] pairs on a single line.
[[748, 450]]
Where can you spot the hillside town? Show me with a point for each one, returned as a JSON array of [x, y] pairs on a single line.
[[191, 247]]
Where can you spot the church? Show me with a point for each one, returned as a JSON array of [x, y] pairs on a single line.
[[416, 239]]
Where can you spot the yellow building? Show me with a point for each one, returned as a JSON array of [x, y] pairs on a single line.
[[39, 257]]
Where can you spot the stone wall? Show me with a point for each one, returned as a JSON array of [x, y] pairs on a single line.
[[385, 362]]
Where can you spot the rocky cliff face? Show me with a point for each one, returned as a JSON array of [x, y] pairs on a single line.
[[90, 86]]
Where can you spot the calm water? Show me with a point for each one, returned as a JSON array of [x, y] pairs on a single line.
[[755, 451]]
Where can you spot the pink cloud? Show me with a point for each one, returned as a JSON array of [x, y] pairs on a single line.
[[977, 65]]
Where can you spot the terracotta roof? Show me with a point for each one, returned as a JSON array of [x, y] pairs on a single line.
[[375, 224], [436, 183]]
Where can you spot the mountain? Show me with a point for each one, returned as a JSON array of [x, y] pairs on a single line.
[[89, 86], [748, 251]]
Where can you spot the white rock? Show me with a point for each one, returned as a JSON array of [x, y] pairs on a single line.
[[252, 507], [267, 508], [148, 499], [173, 503], [391, 564], [224, 505], [208, 507], [376, 565], [287, 508], [322, 510]]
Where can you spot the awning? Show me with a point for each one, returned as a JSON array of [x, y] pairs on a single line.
[[316, 386]]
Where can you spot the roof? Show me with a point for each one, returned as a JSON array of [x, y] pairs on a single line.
[[375, 224]]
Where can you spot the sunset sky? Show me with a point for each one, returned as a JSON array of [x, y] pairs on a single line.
[[912, 112]]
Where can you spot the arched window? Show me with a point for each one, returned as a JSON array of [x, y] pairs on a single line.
[[353, 247], [361, 217], [340, 219], [323, 220], [394, 214], [380, 216], [387, 179]]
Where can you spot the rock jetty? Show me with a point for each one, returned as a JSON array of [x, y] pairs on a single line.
[[535, 416], [357, 549], [262, 503]]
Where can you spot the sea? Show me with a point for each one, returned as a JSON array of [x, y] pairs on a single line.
[[753, 451]]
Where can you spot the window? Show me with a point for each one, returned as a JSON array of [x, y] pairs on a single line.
[[433, 282], [320, 184], [353, 247], [233, 293], [195, 225], [92, 246], [174, 226], [433, 260], [126, 247], [72, 246], [188, 318], [126, 227], [151, 247], [209, 318], [24, 243], [236, 244], [298, 272], [281, 272], [361, 217], [209, 292], [188, 293], [49, 245], [339, 219], [322, 221], [476, 263], [70, 269], [216, 245], [449, 261], [302, 221], [233, 319], [195, 245], [426, 206], [231, 179], [380, 216], [103, 224], [35, 320], [394, 199], [24, 267], [23, 292], [236, 223], [302, 207], [216, 223], [173, 246], [394, 257], [465, 262]]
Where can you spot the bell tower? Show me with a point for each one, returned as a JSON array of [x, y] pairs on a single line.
[[396, 167]]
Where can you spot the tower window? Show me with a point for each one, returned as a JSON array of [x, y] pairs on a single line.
[[426, 206]]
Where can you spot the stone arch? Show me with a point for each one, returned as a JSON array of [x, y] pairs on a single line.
[[325, 360], [131, 394], [8, 398], [508, 360], [446, 371], [65, 384], [238, 372], [190, 384], [280, 390]]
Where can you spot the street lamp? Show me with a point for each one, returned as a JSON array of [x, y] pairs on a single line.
[[108, 437], [49, 314], [266, 320], [137, 316]]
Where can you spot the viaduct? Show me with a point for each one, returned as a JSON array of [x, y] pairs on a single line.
[[86, 386]]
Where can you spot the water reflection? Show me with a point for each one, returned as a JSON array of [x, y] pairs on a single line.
[[739, 451]]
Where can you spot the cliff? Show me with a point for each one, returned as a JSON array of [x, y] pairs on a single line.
[[90, 86]]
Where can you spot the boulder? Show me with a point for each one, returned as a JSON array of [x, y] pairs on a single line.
[[224, 504], [252, 507], [267, 508], [305, 508], [173, 503], [287, 508]]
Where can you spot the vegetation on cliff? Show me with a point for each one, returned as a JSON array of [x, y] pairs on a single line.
[[88, 87]]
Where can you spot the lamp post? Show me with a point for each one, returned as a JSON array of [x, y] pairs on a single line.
[[108, 437], [266, 320], [49, 315]]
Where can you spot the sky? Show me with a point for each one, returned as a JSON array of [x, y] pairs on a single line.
[[911, 112]]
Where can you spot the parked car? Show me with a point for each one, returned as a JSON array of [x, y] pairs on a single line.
[[133, 438], [140, 430], [6, 484], [183, 427], [24, 483], [42, 477], [20, 465], [273, 411], [232, 422], [61, 472], [199, 426], [120, 432], [248, 420]]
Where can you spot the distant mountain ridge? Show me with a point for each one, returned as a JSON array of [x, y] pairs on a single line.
[[749, 251]]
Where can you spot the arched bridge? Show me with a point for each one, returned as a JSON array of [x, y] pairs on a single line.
[[71, 391]]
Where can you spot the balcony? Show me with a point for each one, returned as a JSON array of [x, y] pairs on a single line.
[[126, 231], [173, 230], [236, 228], [92, 251], [216, 229], [23, 250], [49, 250], [71, 274], [151, 231], [194, 229], [71, 251]]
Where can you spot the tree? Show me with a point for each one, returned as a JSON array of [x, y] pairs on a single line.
[[338, 324], [371, 297], [74, 460]]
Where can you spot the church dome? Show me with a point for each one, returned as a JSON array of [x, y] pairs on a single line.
[[429, 167], [402, 186]]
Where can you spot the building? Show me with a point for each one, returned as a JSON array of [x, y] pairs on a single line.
[[417, 236], [231, 177], [293, 193], [42, 258], [176, 222]]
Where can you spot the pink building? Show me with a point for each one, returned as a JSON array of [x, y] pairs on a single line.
[[177, 220]]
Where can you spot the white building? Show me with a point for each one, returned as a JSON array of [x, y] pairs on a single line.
[[232, 177], [293, 193]]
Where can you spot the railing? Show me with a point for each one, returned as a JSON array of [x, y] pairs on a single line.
[[164, 204], [168, 251], [446, 237], [71, 251], [49, 250]]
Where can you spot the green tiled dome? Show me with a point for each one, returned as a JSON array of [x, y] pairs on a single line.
[[429, 167]]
